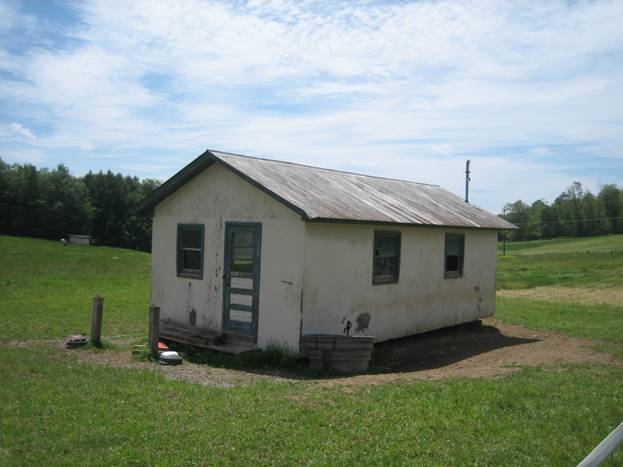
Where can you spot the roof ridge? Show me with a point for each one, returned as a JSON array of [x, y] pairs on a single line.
[[321, 168]]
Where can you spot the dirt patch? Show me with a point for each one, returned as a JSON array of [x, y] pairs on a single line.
[[196, 373], [487, 350], [568, 295]]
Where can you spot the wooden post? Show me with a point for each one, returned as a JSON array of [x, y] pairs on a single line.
[[154, 330], [96, 320]]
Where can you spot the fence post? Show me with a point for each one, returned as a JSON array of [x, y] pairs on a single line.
[[96, 320], [154, 330]]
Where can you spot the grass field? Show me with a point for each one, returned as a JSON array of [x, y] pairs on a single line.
[[59, 410], [570, 285]]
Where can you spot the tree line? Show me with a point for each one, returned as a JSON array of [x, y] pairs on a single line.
[[576, 212], [53, 203]]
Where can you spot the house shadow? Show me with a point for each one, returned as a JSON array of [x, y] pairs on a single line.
[[426, 351], [437, 349]]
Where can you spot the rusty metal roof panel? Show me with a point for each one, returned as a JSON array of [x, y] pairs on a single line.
[[330, 195]]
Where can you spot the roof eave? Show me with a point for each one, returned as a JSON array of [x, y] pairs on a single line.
[[327, 220], [174, 183], [189, 172]]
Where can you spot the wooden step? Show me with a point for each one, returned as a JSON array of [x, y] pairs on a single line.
[[206, 338]]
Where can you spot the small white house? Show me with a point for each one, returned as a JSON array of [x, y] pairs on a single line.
[[255, 251]]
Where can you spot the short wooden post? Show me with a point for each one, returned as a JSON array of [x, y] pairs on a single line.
[[154, 330], [96, 320]]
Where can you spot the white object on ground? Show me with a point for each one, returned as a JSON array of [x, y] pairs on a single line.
[[170, 358]]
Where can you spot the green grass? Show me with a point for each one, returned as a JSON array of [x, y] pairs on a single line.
[[585, 262], [602, 244], [56, 410], [62, 413], [598, 321], [560, 269], [593, 263], [47, 289]]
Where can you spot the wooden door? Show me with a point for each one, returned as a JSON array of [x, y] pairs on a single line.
[[241, 277]]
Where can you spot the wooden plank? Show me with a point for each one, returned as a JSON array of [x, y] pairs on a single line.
[[207, 339]]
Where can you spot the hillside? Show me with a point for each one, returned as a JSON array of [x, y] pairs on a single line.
[[103, 407]]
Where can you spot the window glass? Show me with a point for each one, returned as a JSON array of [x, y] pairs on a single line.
[[192, 260], [386, 265], [191, 237], [243, 238], [454, 255], [190, 250]]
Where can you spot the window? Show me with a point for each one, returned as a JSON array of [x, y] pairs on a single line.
[[386, 257], [455, 253], [190, 250]]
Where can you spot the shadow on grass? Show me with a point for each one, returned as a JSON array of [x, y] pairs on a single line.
[[426, 351]]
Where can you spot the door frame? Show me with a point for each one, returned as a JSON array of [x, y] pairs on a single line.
[[255, 307]]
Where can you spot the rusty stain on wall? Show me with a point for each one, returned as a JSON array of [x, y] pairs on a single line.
[[363, 322]]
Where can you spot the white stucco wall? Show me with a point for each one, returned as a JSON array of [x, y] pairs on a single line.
[[338, 281], [213, 198]]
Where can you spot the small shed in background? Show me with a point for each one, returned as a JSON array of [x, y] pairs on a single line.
[[79, 239]]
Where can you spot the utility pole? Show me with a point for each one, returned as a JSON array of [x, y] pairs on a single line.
[[504, 233], [467, 179]]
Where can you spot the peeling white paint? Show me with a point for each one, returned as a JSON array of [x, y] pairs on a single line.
[[214, 197], [338, 281]]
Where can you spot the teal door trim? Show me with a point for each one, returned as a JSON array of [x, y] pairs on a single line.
[[247, 314]]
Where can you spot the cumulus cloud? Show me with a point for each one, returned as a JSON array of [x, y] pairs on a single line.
[[407, 89], [16, 131]]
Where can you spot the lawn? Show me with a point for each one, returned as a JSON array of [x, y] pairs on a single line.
[[569, 285], [57, 410], [587, 262]]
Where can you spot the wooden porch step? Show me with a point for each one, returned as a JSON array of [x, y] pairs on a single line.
[[206, 339]]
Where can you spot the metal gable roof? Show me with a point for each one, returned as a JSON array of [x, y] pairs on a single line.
[[327, 195]]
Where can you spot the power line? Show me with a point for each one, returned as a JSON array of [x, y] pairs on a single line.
[[573, 221]]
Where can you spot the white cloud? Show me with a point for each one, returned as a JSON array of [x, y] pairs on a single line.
[[16, 131], [387, 87]]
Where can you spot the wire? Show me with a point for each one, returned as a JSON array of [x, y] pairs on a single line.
[[574, 221]]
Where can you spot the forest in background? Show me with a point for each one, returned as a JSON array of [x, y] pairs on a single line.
[[53, 203], [576, 212]]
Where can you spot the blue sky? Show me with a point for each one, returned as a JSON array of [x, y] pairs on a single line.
[[531, 92]]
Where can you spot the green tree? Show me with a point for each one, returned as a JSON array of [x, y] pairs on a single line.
[[53, 203], [550, 227], [27, 213], [5, 197], [517, 213], [67, 204], [611, 199], [592, 215], [568, 207]]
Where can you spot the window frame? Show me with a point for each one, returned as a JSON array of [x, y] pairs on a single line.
[[459, 273], [378, 234], [181, 271]]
